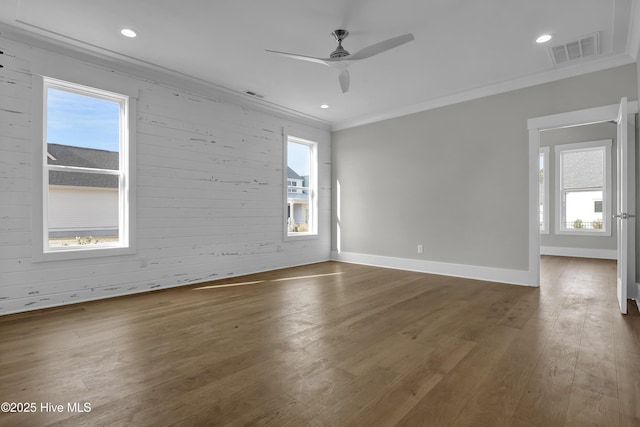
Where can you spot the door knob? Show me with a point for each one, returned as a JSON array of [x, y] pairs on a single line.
[[624, 215]]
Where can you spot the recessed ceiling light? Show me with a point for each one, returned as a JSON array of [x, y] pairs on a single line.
[[128, 32], [543, 38], [324, 106]]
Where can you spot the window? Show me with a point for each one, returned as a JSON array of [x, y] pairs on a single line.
[[597, 206], [85, 169], [543, 191], [584, 188], [302, 190]]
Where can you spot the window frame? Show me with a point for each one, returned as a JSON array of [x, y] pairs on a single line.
[[312, 188], [111, 91], [545, 153], [607, 195]]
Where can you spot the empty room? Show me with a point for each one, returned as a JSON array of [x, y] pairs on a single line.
[[337, 213]]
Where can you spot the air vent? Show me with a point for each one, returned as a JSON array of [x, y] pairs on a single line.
[[583, 48], [252, 93]]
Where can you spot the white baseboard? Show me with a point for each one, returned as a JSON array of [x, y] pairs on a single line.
[[502, 275], [579, 252]]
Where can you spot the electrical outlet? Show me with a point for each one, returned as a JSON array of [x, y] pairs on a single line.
[[420, 249]]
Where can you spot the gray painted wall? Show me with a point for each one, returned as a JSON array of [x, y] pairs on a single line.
[[453, 178], [555, 137]]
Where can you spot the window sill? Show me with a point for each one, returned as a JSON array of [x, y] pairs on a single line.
[[301, 236], [604, 233], [77, 253]]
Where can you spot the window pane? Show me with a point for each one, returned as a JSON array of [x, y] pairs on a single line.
[[580, 212], [85, 200], [83, 209], [82, 131], [298, 191]]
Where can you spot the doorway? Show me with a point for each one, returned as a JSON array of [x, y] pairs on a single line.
[[577, 193], [624, 115]]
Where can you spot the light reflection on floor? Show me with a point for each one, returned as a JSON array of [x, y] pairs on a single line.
[[226, 285], [305, 277]]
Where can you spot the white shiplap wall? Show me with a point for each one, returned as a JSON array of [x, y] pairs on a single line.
[[210, 195]]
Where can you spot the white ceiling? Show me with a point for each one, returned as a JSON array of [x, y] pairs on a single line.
[[462, 48]]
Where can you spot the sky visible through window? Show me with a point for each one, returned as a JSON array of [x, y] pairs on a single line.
[[298, 158], [82, 121]]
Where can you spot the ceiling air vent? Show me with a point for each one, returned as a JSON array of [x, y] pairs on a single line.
[[252, 93], [583, 48]]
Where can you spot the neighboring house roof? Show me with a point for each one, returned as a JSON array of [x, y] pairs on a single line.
[[291, 174], [66, 155]]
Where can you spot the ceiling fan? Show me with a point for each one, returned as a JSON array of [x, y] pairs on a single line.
[[341, 58]]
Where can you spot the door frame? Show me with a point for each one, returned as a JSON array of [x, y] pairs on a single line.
[[608, 113]]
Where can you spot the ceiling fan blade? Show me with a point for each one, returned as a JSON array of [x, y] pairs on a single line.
[[377, 48], [323, 61], [344, 79]]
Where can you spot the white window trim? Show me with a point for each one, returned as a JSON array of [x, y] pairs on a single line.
[[313, 193], [127, 244], [545, 209], [606, 203]]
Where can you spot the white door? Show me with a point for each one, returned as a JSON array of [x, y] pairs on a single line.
[[622, 212]]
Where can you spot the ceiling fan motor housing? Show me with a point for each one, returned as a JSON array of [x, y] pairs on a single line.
[[340, 52]]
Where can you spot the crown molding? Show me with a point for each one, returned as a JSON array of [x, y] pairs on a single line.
[[52, 42]]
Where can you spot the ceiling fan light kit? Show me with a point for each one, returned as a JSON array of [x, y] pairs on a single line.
[[340, 58]]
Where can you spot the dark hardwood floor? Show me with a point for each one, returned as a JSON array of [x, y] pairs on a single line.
[[334, 345]]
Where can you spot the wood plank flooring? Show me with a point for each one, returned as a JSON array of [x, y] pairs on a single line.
[[335, 345]]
